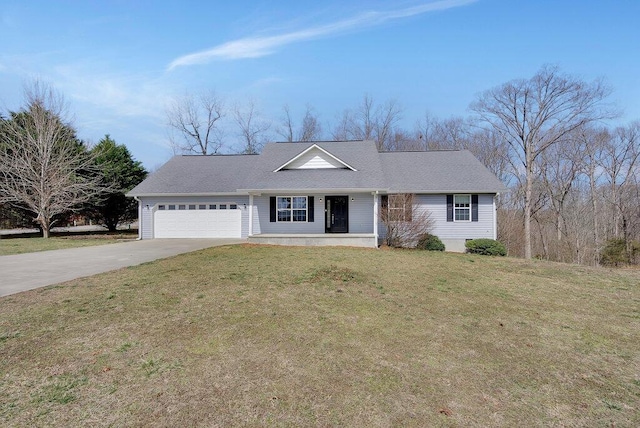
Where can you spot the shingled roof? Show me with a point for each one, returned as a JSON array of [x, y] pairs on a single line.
[[441, 171], [455, 171]]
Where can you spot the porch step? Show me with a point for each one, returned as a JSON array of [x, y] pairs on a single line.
[[311, 240]]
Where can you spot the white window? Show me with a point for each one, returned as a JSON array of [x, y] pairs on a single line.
[[182, 207], [161, 207], [212, 206], [192, 206], [233, 206], [292, 208], [202, 207], [172, 207], [461, 207]]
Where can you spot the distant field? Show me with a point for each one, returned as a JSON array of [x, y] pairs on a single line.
[[30, 245], [274, 336]]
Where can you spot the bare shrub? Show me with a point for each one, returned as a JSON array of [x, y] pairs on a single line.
[[404, 221]]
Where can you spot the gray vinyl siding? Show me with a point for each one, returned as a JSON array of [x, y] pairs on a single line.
[[153, 202], [436, 206], [146, 222], [360, 215], [266, 226]]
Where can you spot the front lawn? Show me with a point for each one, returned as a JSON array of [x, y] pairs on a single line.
[[10, 246], [274, 336]]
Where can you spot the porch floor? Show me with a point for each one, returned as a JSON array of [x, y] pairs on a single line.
[[319, 239]]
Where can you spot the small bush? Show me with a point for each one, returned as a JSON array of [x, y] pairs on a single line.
[[486, 247], [618, 252], [614, 253], [430, 242]]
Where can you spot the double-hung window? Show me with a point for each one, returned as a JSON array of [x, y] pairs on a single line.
[[292, 208], [462, 207], [400, 207]]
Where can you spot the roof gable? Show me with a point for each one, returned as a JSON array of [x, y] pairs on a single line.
[[315, 157]]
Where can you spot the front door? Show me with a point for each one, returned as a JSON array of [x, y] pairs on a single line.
[[336, 214]]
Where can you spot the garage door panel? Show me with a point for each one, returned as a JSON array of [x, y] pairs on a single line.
[[197, 224]]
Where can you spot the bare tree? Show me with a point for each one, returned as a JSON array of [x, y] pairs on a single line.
[[592, 142], [44, 168], [194, 123], [425, 131], [286, 128], [252, 128], [532, 115], [404, 220], [310, 129], [560, 166], [370, 122], [619, 160], [387, 117], [342, 130]]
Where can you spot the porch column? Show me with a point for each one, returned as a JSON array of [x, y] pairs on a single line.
[[250, 214], [375, 217]]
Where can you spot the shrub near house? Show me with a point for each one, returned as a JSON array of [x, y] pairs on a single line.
[[486, 247]]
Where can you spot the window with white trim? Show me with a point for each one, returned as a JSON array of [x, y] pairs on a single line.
[[292, 208], [400, 207], [461, 207]]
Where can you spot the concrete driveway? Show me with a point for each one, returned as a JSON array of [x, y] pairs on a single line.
[[23, 272]]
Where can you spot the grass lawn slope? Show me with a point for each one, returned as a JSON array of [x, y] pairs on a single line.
[[272, 336], [31, 245]]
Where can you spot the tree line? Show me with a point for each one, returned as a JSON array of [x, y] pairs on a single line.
[[48, 174], [573, 178]]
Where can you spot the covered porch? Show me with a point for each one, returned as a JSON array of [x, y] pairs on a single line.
[[369, 240], [327, 217]]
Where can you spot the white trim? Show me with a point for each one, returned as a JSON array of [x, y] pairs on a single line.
[[470, 207], [328, 191], [172, 195], [292, 209], [495, 217], [251, 215], [315, 146], [376, 208], [188, 204]]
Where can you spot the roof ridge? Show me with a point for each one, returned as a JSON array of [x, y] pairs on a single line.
[[216, 155]]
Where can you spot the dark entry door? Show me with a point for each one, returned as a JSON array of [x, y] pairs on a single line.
[[337, 214]]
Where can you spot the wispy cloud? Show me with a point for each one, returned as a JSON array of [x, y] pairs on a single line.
[[254, 47]]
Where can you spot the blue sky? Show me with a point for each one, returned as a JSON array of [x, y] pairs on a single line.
[[119, 63]]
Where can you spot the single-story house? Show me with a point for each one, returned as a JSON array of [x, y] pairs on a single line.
[[316, 193]]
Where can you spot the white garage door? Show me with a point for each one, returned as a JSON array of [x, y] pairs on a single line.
[[197, 224]]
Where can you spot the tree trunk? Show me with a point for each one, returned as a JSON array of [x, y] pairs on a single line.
[[45, 229], [112, 225], [594, 207], [527, 211]]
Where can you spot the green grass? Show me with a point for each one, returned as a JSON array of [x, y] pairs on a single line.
[[270, 336], [32, 245]]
